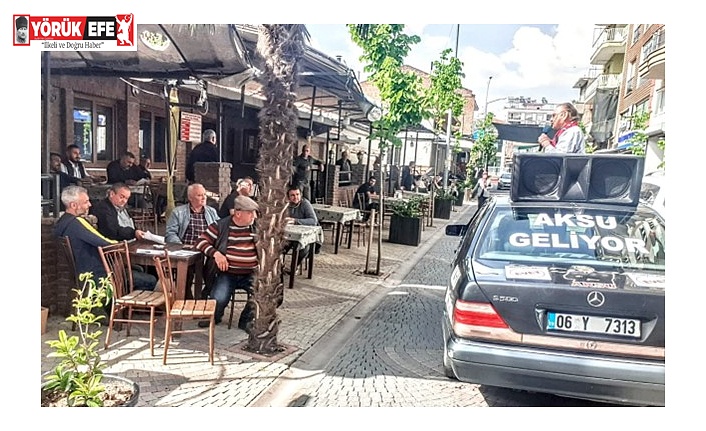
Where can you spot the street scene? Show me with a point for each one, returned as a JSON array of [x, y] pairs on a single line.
[[233, 215]]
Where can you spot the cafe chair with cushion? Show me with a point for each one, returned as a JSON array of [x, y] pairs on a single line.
[[180, 310], [116, 260]]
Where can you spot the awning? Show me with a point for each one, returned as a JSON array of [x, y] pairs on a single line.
[[173, 51]]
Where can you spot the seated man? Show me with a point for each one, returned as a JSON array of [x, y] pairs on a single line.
[[300, 212], [65, 179], [73, 166], [243, 187], [114, 222], [230, 244], [187, 222], [85, 239], [366, 190], [120, 170]]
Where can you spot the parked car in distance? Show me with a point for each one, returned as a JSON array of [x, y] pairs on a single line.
[[561, 295], [652, 191], [504, 181]]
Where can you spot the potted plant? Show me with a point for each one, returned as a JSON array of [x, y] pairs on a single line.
[[78, 379], [443, 201], [406, 221]]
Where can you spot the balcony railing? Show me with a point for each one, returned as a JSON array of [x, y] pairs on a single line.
[[655, 43], [611, 34], [609, 80]]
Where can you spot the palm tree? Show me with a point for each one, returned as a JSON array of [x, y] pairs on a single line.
[[279, 48]]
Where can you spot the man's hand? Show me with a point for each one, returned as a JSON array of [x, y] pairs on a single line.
[[544, 140], [139, 234], [289, 220], [221, 261]]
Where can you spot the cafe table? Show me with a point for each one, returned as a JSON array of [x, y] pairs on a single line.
[[142, 252], [303, 235], [340, 216]]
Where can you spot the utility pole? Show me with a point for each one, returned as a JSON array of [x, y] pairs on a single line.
[[447, 161], [487, 90]]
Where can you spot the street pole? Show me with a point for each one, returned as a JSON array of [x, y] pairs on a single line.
[[447, 158], [487, 90]]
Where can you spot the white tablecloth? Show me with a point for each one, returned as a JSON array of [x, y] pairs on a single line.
[[303, 234], [335, 214]]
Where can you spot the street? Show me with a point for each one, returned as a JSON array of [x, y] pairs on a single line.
[[393, 358]]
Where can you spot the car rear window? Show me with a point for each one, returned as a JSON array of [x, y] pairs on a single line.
[[572, 235]]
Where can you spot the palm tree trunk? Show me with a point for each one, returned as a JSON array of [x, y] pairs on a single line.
[[279, 48]]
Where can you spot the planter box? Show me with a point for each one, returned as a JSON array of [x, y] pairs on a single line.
[[442, 208], [45, 316], [405, 230], [460, 198]]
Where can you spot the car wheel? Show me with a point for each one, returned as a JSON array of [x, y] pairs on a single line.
[[448, 371]]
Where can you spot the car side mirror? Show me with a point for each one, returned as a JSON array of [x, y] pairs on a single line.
[[456, 229]]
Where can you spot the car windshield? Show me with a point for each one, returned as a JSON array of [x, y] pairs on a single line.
[[506, 176], [574, 235]]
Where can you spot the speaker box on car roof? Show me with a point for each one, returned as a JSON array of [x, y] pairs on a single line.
[[600, 178]]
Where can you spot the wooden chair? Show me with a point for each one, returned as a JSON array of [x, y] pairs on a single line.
[[360, 226], [179, 310], [146, 218], [65, 244], [327, 225], [116, 260]]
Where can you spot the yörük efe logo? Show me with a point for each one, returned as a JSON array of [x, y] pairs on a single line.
[[89, 33]]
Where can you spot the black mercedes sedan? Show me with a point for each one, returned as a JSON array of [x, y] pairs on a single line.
[[559, 287]]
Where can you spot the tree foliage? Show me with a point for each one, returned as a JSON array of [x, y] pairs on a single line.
[[638, 140], [443, 93], [485, 148], [384, 48]]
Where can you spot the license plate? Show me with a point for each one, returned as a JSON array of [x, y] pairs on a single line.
[[593, 324]]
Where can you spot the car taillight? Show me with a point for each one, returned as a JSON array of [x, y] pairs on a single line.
[[477, 314]]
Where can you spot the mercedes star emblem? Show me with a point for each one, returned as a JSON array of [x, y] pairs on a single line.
[[595, 299]]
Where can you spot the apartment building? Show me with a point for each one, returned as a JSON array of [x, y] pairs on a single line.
[[626, 78]]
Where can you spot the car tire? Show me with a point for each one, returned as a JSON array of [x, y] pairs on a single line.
[[448, 371]]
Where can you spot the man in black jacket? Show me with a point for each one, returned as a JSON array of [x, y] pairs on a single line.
[[302, 168], [121, 170], [206, 151], [114, 221]]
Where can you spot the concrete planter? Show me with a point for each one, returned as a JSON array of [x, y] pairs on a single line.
[[45, 316]]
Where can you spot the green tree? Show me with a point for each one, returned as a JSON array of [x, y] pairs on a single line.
[[638, 140], [443, 95], [485, 148], [384, 48]]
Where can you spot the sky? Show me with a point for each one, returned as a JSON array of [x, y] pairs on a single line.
[[529, 60], [498, 56]]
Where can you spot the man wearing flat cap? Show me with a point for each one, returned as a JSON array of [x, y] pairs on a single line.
[[231, 256], [21, 35]]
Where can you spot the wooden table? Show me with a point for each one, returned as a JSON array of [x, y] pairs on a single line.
[[142, 252], [303, 235], [340, 216]]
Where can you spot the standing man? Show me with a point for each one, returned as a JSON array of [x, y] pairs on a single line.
[[569, 138], [302, 168], [344, 162], [408, 177], [206, 151], [230, 243], [481, 189], [187, 222], [73, 165]]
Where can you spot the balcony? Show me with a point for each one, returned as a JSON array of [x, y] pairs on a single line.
[[608, 80], [610, 41], [653, 55]]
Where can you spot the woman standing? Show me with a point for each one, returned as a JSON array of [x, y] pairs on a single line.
[[481, 189]]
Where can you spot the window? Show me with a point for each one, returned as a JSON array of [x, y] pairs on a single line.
[[153, 137], [93, 130], [251, 146], [637, 31]]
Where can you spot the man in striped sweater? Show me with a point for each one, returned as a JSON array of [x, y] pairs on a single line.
[[234, 255]]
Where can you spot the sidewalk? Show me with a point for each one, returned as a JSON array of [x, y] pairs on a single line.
[[237, 377]]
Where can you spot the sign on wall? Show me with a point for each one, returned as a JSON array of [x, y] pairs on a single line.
[[190, 127]]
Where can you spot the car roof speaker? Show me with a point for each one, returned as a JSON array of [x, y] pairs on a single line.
[[600, 178], [616, 179], [536, 177]]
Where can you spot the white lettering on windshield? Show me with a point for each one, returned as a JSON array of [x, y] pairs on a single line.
[[610, 243], [574, 220]]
